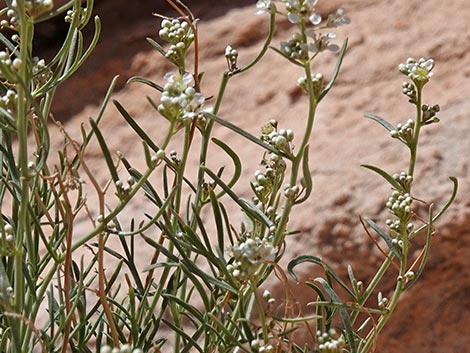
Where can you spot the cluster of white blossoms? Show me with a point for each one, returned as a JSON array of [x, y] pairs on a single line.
[[304, 9], [248, 255], [280, 139], [404, 179], [12, 22], [82, 12], [295, 48], [7, 240], [328, 343], [404, 132], [399, 204], [317, 83], [418, 71], [179, 35], [179, 99], [126, 348], [8, 100], [256, 346], [231, 55], [35, 8], [382, 301]]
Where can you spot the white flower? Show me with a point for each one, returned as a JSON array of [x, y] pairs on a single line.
[[337, 19], [315, 18], [418, 71], [263, 6], [248, 255], [179, 100]]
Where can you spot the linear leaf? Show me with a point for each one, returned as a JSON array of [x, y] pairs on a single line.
[[316, 260], [133, 124], [218, 219], [235, 159], [156, 46], [307, 177], [247, 207], [104, 150], [339, 61], [386, 176], [145, 82], [426, 251], [245, 134], [342, 312], [381, 121], [443, 209], [384, 235]]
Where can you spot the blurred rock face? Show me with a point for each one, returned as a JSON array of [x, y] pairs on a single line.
[[433, 317]]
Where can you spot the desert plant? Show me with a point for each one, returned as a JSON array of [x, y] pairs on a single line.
[[201, 291]]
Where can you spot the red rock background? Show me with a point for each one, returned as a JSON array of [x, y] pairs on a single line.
[[434, 316]]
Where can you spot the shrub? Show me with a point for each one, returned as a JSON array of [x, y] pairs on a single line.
[[201, 292]]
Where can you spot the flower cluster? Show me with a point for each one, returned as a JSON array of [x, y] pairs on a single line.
[[7, 240], [321, 41], [180, 36], [126, 348], [381, 300], [262, 187], [429, 114], [256, 346], [35, 8], [409, 90], [248, 255], [179, 101], [12, 23], [264, 6], [301, 9], [81, 12], [337, 19], [295, 48], [280, 139], [418, 71], [328, 343], [8, 100], [404, 132], [404, 179], [41, 72], [399, 204], [291, 192], [231, 55], [317, 83]]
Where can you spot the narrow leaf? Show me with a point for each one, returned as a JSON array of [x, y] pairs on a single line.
[[156, 46], [342, 312], [386, 176], [316, 260], [104, 150], [235, 159], [245, 134], [336, 70], [307, 177], [384, 235], [218, 219], [133, 124], [442, 211], [381, 121], [247, 207], [145, 82]]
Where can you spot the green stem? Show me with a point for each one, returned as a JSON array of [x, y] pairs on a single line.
[[401, 281], [417, 129], [312, 105], [23, 107]]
